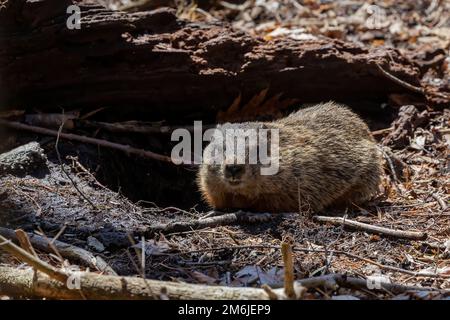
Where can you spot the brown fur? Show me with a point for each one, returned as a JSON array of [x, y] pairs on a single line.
[[327, 157]]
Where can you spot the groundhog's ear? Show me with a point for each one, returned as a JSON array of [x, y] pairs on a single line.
[[225, 125]]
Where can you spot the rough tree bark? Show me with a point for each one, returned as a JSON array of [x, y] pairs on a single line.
[[155, 62]]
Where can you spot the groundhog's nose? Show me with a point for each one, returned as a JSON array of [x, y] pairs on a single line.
[[234, 170]]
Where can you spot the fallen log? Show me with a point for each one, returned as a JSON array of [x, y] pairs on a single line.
[[179, 69], [99, 142]]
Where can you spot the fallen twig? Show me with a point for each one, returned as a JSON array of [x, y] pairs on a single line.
[[68, 251], [210, 222], [98, 142], [23, 159], [286, 252], [388, 159], [404, 234]]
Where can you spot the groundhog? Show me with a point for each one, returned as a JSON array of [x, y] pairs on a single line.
[[327, 157]]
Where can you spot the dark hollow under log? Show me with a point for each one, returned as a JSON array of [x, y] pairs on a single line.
[[174, 69]]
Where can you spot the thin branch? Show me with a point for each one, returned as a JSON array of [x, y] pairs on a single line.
[[340, 252], [74, 184], [403, 234], [83, 139], [286, 252], [20, 283]]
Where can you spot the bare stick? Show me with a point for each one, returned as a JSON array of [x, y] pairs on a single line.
[[68, 251], [98, 142], [340, 252], [286, 252], [334, 281], [391, 167], [33, 261], [404, 234], [74, 184]]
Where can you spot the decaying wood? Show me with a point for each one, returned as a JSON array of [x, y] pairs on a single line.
[[334, 281], [70, 136], [137, 127], [403, 234], [71, 252], [177, 68], [25, 283], [409, 119], [22, 159]]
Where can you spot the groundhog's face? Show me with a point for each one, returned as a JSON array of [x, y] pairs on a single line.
[[235, 176], [236, 166]]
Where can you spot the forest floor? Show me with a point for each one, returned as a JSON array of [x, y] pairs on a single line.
[[414, 197]]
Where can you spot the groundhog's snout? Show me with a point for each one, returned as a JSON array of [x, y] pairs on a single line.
[[234, 172]]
